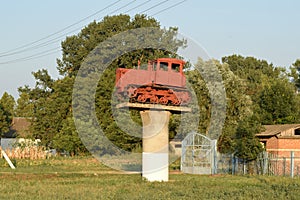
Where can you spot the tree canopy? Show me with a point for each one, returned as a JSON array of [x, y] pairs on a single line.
[[5, 121], [7, 106], [272, 93], [296, 67], [24, 106], [8, 103], [52, 99]]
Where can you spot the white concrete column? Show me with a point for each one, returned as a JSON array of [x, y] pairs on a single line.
[[155, 145]]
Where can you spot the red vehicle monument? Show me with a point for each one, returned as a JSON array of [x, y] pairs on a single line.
[[160, 82]]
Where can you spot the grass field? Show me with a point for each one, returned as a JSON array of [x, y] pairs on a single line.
[[86, 178]]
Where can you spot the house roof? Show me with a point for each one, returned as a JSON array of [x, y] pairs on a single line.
[[19, 126], [271, 130]]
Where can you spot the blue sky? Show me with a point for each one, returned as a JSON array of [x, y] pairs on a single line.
[[266, 29]]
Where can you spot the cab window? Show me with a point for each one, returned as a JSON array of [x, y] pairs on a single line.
[[154, 66], [144, 67], [175, 67], [163, 66]]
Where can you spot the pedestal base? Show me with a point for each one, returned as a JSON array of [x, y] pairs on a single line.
[[155, 145], [156, 166]]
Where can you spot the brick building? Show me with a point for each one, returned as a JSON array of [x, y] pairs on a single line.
[[19, 127], [279, 141]]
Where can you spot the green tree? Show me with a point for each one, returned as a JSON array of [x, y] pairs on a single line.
[[106, 84], [67, 139], [25, 106], [256, 73], [273, 95], [8, 103], [5, 121], [52, 98], [279, 103], [274, 101], [238, 103], [51, 108], [238, 107], [296, 67], [77, 47], [247, 145]]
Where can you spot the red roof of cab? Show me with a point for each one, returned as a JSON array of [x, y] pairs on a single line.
[[172, 60]]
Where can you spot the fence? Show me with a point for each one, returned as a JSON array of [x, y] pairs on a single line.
[[265, 164], [33, 153], [199, 156], [21, 148]]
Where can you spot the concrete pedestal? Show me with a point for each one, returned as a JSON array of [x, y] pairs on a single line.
[[155, 144], [155, 119]]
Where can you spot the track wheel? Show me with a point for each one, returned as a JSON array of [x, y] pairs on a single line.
[[176, 102], [131, 91], [154, 99], [142, 98], [163, 100]]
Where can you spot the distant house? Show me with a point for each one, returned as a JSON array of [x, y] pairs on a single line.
[[281, 139], [17, 137], [19, 127]]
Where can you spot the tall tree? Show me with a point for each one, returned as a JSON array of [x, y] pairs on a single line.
[[67, 139], [106, 84], [52, 106], [256, 73], [279, 103], [273, 96], [7, 106], [77, 47], [296, 66], [52, 98], [25, 106], [247, 145], [5, 121], [8, 103], [238, 103], [238, 108]]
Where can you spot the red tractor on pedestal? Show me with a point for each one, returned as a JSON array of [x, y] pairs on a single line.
[[160, 82]]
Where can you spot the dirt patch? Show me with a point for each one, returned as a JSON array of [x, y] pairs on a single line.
[[175, 172]]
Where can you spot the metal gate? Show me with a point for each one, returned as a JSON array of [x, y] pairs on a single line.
[[198, 154]]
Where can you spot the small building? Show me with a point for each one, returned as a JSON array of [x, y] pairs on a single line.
[[281, 139], [19, 127], [18, 130]]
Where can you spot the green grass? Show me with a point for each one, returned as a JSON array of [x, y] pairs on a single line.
[[86, 178]]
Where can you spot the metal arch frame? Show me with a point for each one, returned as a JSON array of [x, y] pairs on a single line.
[[208, 154]]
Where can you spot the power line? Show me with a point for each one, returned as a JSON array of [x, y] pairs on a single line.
[[63, 35], [121, 7], [40, 55], [34, 56], [168, 8], [43, 44], [53, 40], [155, 6], [144, 3], [59, 31]]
